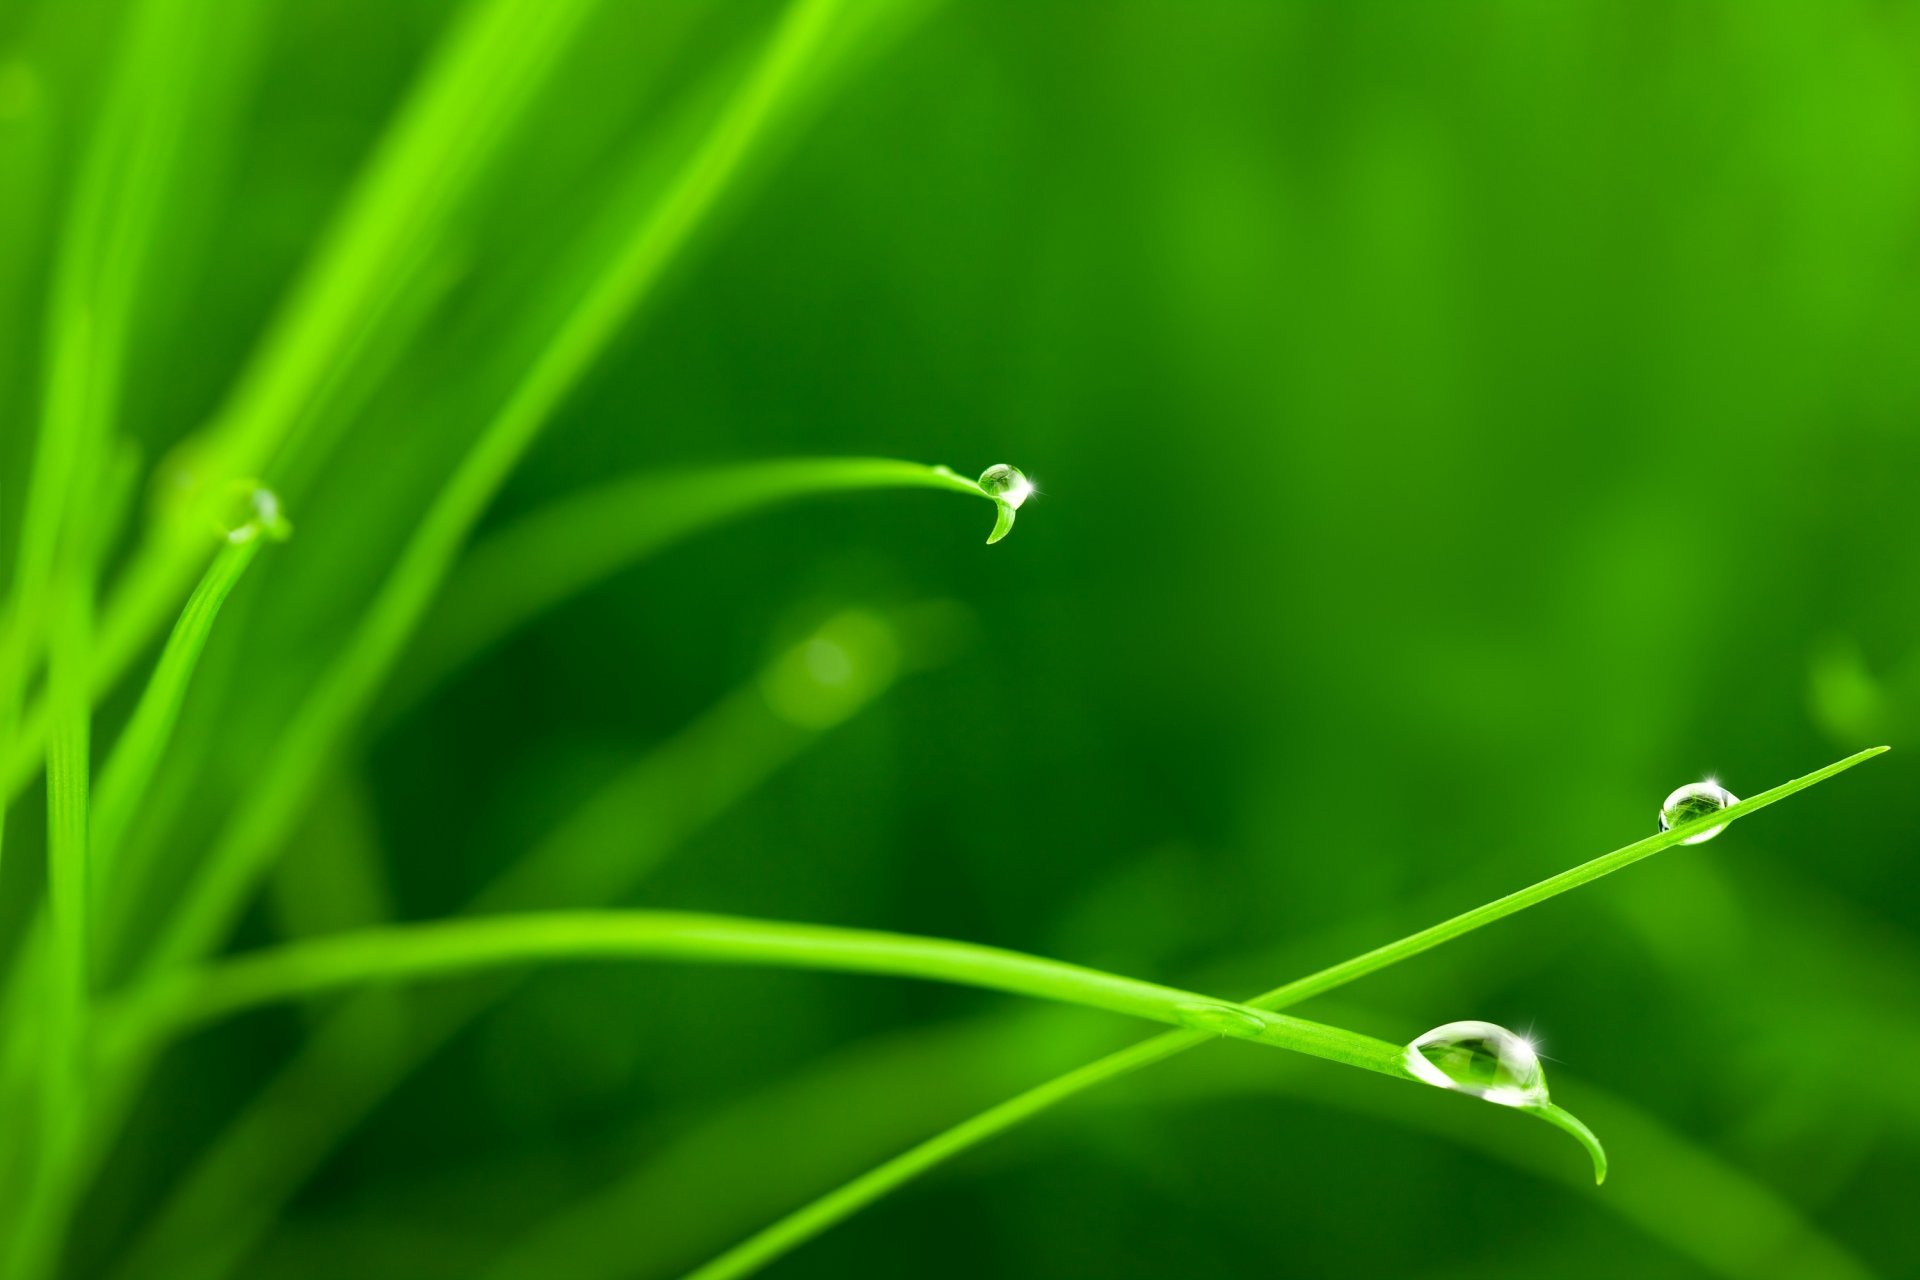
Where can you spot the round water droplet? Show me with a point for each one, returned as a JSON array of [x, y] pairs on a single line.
[[1006, 484], [1482, 1059], [1220, 1020], [1693, 802]]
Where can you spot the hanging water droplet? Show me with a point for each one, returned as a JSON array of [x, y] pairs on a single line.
[[1482, 1059], [1220, 1019], [1006, 484], [1008, 488], [1693, 802], [252, 509]]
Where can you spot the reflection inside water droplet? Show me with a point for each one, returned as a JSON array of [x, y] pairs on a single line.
[[1480, 1058], [1693, 802], [1220, 1019], [1006, 484]]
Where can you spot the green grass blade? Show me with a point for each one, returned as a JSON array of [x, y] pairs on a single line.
[[69, 874], [848, 1199], [1467, 921], [136, 755], [691, 1191], [516, 574], [343, 692], [409, 952], [40, 1225], [491, 65], [1681, 1196], [733, 1164], [70, 513], [218, 1207], [1565, 1121], [109, 226]]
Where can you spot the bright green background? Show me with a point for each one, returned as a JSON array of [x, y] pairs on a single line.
[[1458, 424]]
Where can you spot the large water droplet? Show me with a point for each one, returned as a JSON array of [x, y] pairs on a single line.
[[1220, 1019], [1007, 484], [1008, 488], [1482, 1059], [1693, 802]]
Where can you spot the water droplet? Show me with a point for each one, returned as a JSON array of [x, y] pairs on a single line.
[[1008, 488], [1482, 1059], [1693, 802], [252, 509], [1220, 1019], [1006, 484]]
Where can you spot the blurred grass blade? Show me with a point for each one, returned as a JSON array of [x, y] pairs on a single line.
[[692, 1193], [104, 247], [560, 550], [702, 1184], [342, 694], [219, 1206], [492, 64], [136, 755], [41, 1222], [68, 1029], [69, 875], [129, 160], [848, 1199]]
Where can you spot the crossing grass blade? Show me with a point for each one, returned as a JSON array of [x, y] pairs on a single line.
[[848, 1199]]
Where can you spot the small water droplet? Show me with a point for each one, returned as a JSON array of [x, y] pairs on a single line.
[[1482, 1059], [1693, 802], [251, 510], [1220, 1019], [1006, 484]]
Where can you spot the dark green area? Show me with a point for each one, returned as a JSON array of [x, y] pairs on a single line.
[[1444, 415]]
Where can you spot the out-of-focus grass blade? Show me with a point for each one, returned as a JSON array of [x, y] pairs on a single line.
[[467, 101], [104, 247], [130, 768], [562, 549], [835, 1206], [218, 1207], [691, 1190], [341, 696]]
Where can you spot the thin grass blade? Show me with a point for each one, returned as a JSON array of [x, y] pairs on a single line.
[[836, 1206]]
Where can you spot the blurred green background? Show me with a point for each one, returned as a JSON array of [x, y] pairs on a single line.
[[1458, 424]]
